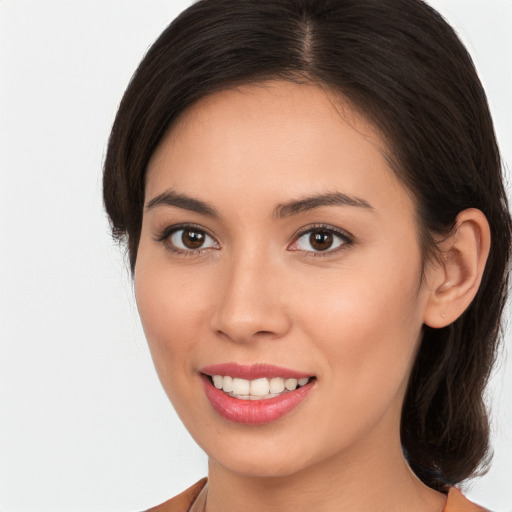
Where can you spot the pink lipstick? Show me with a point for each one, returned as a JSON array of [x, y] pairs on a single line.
[[252, 371], [240, 406]]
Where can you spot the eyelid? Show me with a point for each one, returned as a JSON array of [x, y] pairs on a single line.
[[165, 235], [347, 238]]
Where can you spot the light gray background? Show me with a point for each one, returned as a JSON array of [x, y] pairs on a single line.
[[84, 424]]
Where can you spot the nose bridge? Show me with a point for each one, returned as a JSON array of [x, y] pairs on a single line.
[[249, 300]]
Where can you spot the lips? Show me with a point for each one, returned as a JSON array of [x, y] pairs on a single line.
[[253, 371], [242, 404]]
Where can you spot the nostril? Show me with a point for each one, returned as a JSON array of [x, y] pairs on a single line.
[[243, 316]]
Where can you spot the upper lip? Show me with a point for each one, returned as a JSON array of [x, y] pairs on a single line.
[[252, 371]]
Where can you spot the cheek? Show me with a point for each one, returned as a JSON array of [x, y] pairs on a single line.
[[367, 326], [170, 313]]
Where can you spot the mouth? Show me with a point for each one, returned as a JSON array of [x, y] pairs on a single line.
[[254, 394], [257, 389]]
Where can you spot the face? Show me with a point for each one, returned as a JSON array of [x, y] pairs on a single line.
[[277, 250]]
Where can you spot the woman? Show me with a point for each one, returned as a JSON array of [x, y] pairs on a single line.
[[311, 196]]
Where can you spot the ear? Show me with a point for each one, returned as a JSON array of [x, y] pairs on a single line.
[[455, 279]]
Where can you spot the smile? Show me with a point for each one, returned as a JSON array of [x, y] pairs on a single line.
[[258, 389], [254, 394]]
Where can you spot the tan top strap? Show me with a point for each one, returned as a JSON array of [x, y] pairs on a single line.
[[184, 501]]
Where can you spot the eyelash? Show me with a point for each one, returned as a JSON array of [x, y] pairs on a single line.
[[346, 239], [165, 238]]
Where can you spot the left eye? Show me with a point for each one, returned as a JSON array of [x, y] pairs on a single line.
[[191, 239], [319, 240]]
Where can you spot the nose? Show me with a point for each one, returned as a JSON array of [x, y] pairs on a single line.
[[251, 302]]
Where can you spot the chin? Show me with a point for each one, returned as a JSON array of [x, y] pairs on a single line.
[[264, 455], [260, 466]]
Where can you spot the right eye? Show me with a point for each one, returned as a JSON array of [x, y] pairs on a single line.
[[188, 240], [191, 239]]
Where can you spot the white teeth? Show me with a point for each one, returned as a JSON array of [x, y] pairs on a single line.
[[260, 387], [241, 386], [276, 385], [227, 385], [256, 389], [290, 384]]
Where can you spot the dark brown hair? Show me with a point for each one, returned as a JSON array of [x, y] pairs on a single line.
[[403, 67]]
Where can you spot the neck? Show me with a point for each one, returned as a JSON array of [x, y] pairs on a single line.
[[372, 478]]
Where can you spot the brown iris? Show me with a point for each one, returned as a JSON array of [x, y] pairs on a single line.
[[321, 240], [192, 239]]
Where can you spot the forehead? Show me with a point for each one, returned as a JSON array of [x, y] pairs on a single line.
[[287, 100], [268, 139]]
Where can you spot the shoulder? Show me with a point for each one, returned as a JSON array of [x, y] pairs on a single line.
[[182, 502], [458, 503]]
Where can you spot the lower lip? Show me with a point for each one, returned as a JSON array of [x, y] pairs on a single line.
[[254, 412]]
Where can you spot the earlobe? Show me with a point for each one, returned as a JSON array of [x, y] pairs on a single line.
[[457, 276]]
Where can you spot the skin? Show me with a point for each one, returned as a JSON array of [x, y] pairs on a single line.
[[257, 292]]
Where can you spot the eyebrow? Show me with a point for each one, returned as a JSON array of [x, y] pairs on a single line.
[[293, 207], [172, 198], [309, 203]]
